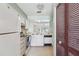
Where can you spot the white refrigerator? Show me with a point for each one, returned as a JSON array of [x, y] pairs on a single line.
[[9, 31]]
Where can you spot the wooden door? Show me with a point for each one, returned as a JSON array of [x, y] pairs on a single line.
[[73, 29], [68, 29], [60, 29]]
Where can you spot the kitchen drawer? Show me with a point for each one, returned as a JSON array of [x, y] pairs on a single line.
[[47, 40]]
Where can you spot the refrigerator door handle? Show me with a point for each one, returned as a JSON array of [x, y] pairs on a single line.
[[7, 33]]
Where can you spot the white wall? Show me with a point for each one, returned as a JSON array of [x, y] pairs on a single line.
[[30, 27], [53, 29]]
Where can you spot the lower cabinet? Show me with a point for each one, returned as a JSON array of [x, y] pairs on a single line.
[[47, 39], [37, 40], [40, 40]]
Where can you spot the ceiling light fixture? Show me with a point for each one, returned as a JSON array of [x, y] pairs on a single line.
[[40, 7]]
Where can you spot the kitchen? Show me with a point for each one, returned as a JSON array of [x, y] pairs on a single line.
[[25, 29]]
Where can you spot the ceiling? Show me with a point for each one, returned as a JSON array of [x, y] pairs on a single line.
[[31, 9]]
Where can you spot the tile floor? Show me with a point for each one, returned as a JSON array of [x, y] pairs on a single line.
[[40, 51]]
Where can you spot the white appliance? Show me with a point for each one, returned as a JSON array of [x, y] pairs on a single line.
[[47, 39], [37, 40], [9, 31]]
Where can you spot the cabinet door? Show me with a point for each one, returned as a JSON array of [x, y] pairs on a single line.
[[60, 26], [37, 40]]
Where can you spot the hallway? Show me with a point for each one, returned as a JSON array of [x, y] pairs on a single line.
[[40, 51]]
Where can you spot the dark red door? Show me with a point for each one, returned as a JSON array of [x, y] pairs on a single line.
[[73, 29], [60, 29], [67, 21]]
